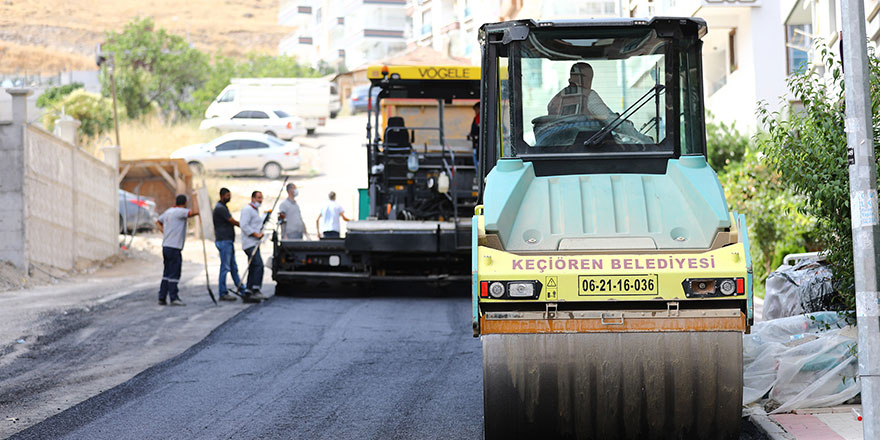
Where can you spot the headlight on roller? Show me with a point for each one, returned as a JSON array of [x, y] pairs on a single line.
[[527, 289], [521, 290], [727, 287], [713, 287], [496, 290]]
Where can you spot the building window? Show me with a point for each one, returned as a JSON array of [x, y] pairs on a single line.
[[832, 18], [731, 49], [340, 20], [467, 8], [426, 22], [797, 41], [340, 53], [304, 9]]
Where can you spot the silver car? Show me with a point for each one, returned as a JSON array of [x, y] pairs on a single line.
[[242, 153], [136, 212], [261, 120]]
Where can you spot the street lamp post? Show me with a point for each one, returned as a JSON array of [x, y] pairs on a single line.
[[863, 206]]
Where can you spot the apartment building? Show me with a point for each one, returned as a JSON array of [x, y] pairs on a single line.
[[744, 54], [807, 21], [343, 34], [450, 26]]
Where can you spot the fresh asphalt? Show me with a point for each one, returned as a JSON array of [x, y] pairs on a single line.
[[312, 366]]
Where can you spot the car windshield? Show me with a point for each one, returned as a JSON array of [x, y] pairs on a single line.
[[281, 114], [594, 95]]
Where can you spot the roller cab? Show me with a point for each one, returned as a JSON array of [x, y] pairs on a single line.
[[611, 284]]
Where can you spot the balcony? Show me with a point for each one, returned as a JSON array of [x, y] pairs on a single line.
[[383, 33]]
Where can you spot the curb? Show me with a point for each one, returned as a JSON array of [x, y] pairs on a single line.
[[769, 427]]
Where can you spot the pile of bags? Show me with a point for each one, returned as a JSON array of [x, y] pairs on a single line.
[[802, 288], [803, 361]]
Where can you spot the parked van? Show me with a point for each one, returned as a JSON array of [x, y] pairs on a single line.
[[308, 98]]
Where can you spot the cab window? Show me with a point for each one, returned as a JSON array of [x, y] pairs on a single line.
[[229, 96]]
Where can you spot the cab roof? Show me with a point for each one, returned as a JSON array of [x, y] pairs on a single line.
[[425, 72], [661, 24]]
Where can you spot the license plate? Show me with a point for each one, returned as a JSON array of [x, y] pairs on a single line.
[[617, 284]]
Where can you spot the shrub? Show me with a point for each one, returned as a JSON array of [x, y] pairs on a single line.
[[808, 148], [776, 227], [94, 112], [55, 94]]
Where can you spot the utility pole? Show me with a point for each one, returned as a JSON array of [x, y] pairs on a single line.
[[863, 207], [101, 58], [110, 70]]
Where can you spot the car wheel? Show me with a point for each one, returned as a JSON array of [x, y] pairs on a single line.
[[333, 115], [310, 131], [271, 133], [272, 170], [196, 168]]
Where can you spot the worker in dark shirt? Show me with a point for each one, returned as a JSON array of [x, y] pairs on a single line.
[[474, 134], [224, 239]]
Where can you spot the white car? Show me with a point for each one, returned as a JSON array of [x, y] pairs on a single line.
[[262, 120], [242, 153]]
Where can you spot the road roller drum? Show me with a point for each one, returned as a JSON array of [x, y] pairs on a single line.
[[682, 385]]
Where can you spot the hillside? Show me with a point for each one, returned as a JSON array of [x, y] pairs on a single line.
[[49, 36]]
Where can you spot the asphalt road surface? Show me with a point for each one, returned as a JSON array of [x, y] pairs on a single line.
[[349, 366]]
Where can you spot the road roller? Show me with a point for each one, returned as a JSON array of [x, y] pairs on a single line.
[[611, 284]]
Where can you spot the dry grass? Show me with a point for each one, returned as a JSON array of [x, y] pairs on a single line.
[[153, 139], [64, 32], [38, 59]]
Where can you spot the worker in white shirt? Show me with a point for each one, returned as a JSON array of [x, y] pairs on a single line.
[[251, 237]]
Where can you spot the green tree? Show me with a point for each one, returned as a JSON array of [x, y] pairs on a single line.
[[153, 66], [724, 143], [55, 94], [94, 112], [776, 226], [254, 66], [808, 147]]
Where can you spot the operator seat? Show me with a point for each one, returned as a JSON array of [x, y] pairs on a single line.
[[397, 138]]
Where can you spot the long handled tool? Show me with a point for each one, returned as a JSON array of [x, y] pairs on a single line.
[[205, 254], [265, 220]]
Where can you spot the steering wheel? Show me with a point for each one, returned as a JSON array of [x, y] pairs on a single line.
[[562, 129]]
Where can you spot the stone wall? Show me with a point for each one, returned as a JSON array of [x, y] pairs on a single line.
[[59, 203]]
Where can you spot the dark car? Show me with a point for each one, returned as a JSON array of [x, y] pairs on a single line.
[[359, 98], [136, 212]]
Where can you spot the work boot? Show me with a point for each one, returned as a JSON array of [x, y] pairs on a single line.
[[258, 296], [248, 297], [227, 297], [162, 302], [177, 302]]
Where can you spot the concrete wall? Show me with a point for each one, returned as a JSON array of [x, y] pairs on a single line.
[[59, 203]]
